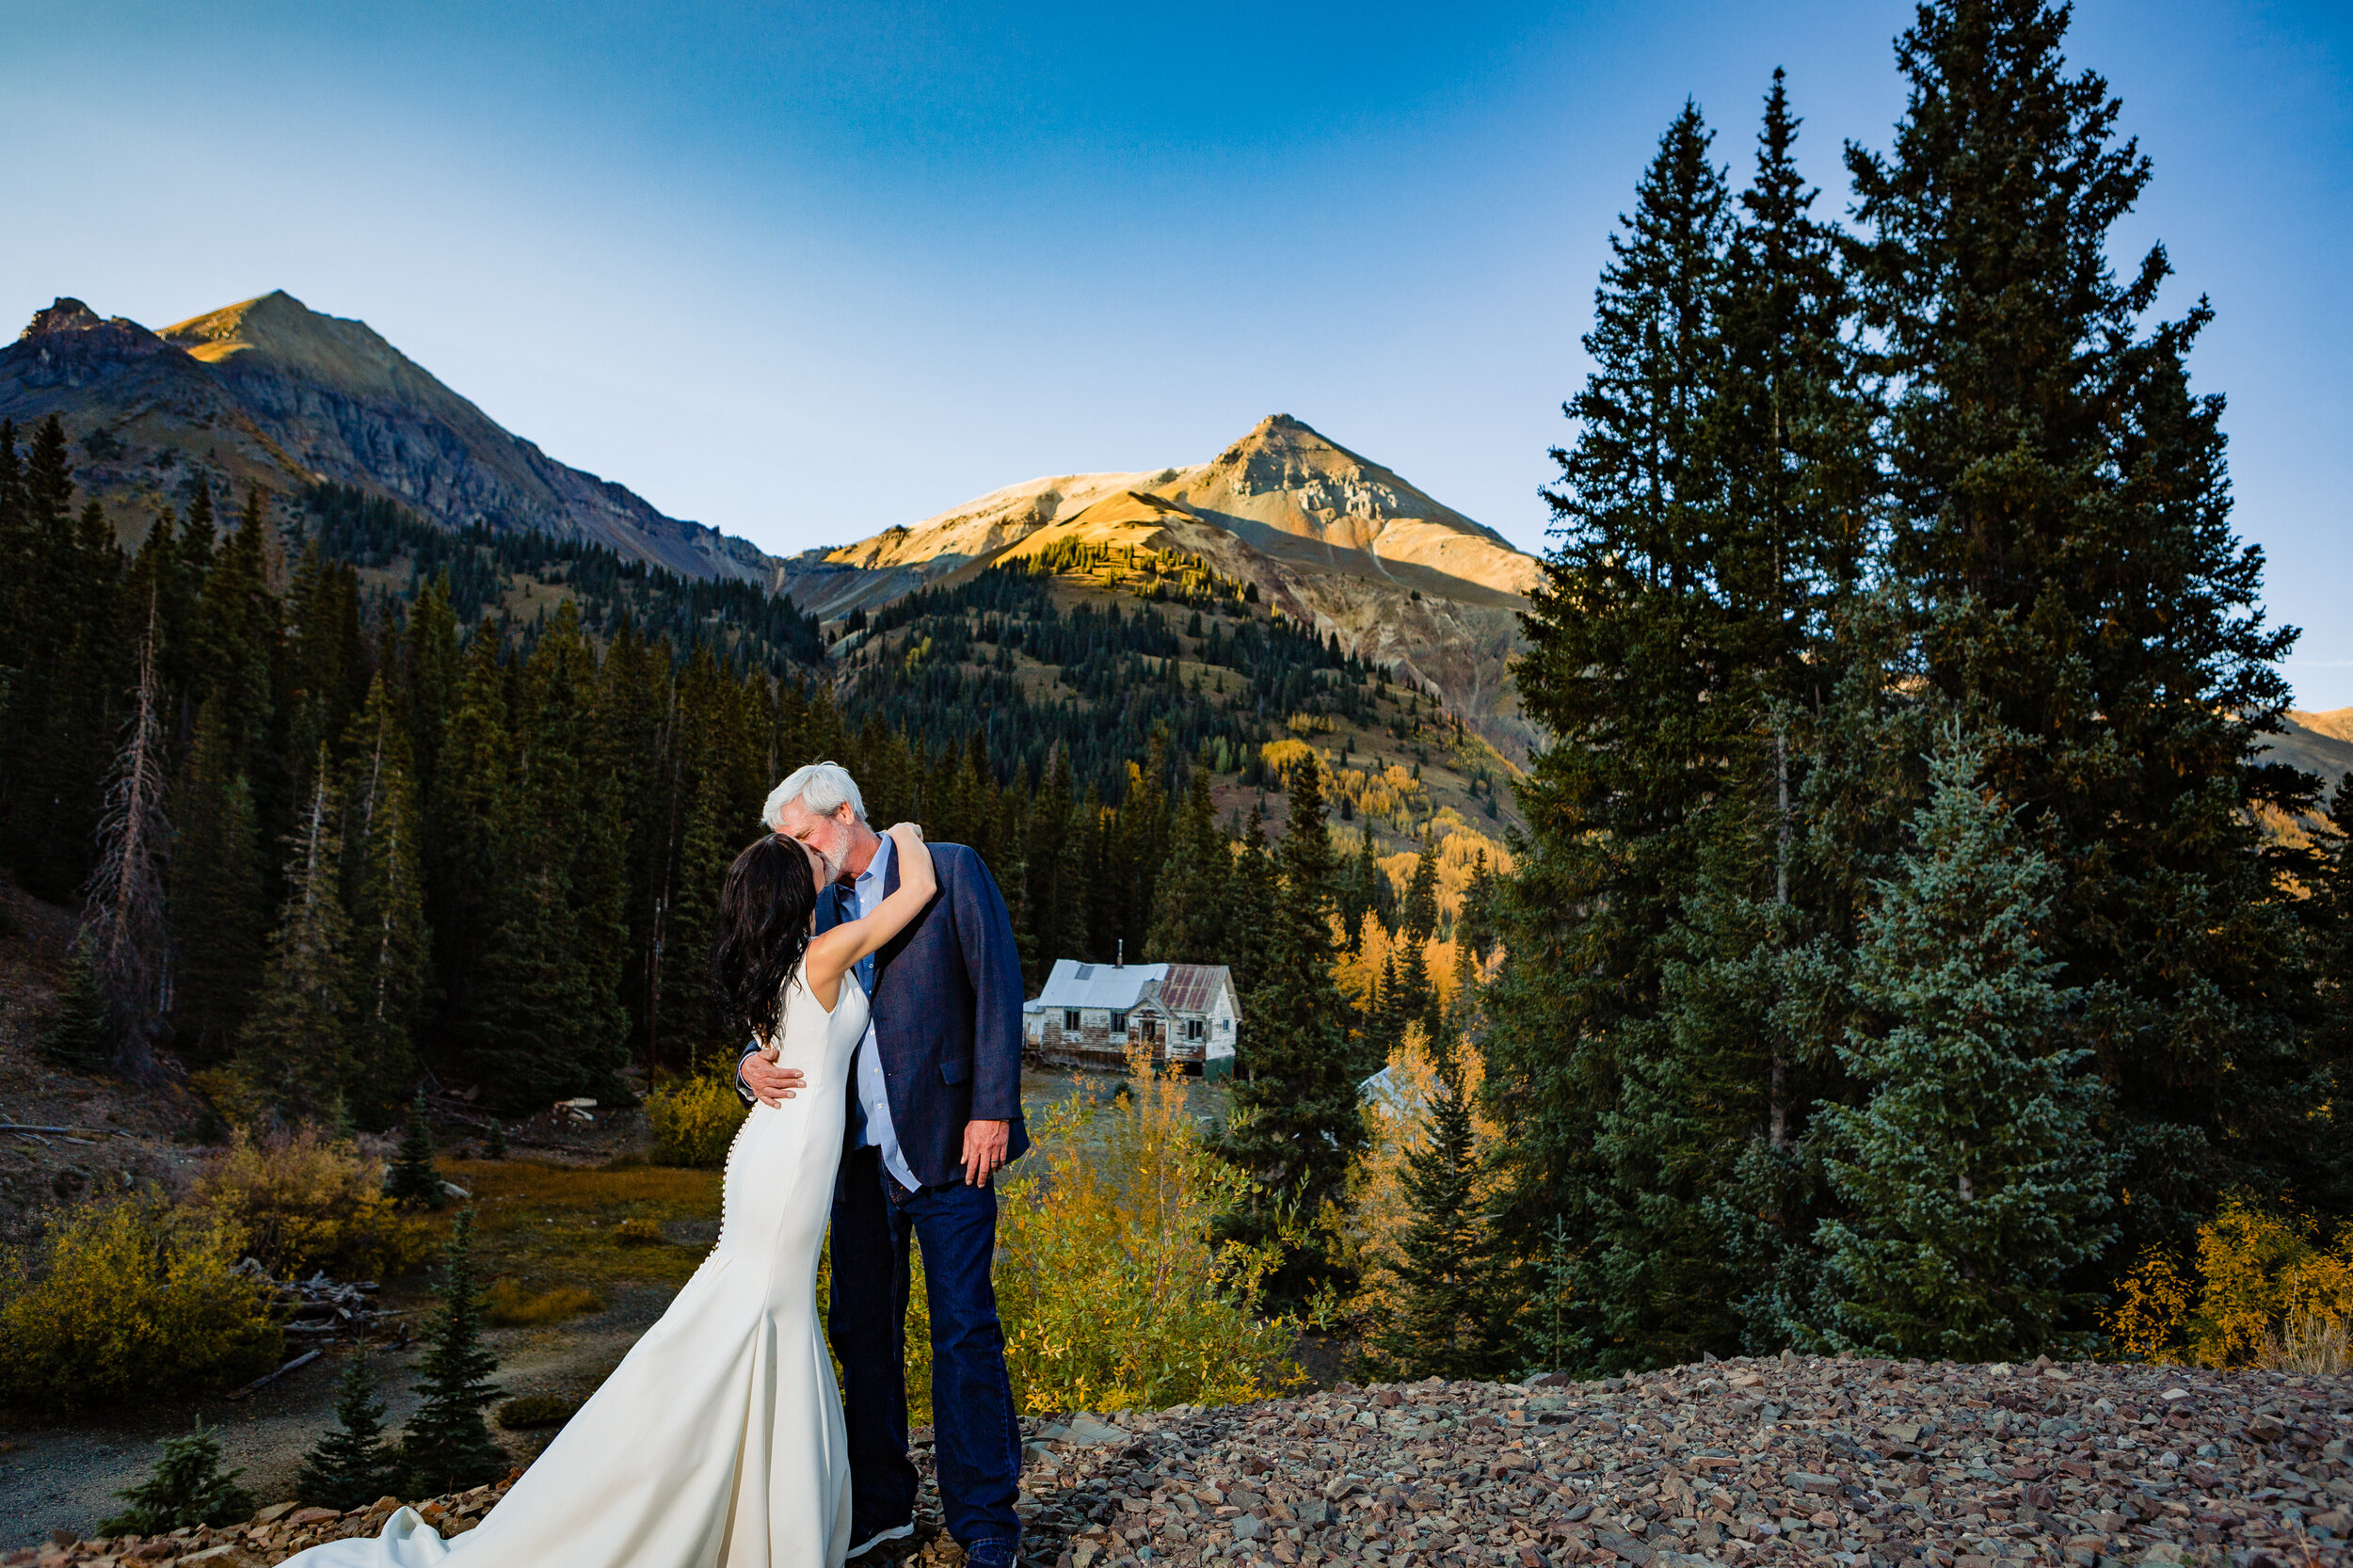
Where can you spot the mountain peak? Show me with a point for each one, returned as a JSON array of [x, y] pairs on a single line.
[[278, 331], [67, 315]]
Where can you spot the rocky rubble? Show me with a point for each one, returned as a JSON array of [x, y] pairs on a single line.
[[1788, 1461], [1785, 1462], [272, 1535]]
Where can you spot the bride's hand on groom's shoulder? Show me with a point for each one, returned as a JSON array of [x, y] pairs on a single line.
[[912, 830]]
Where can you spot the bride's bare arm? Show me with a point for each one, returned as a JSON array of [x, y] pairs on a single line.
[[836, 952]]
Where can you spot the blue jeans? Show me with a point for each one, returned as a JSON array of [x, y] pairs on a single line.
[[977, 1439]]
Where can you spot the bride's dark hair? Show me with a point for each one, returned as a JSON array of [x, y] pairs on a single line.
[[763, 929]]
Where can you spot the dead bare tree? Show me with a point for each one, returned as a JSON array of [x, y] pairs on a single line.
[[123, 934]]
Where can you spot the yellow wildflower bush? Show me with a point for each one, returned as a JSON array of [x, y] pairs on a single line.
[[137, 1300], [2266, 1291], [1112, 1293], [304, 1201], [695, 1119]]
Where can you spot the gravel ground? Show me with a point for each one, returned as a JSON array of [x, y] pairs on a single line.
[[1789, 1461], [1794, 1461]]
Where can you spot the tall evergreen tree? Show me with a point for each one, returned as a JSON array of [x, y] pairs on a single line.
[[1190, 926], [385, 899], [1442, 1315], [122, 907], [1297, 1127], [294, 1052], [1421, 894], [1976, 1174], [2063, 508], [1627, 669], [219, 902]]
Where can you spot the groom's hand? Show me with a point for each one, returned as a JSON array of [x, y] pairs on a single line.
[[769, 1083], [985, 1145]]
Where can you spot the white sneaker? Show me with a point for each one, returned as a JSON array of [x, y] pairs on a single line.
[[896, 1532]]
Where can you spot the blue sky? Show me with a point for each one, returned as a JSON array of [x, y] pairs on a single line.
[[805, 271]]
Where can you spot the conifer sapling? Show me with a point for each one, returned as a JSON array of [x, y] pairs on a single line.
[[446, 1445], [187, 1488], [352, 1465]]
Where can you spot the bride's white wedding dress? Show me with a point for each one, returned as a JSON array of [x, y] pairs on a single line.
[[719, 1439]]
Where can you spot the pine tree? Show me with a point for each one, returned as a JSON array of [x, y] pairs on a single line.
[[218, 911], [1297, 1127], [1251, 897], [1976, 1174], [1628, 670], [1190, 926], [1444, 1289], [352, 1465], [294, 1052], [413, 1177], [2063, 508], [189, 1488], [1421, 894], [77, 1036], [384, 894], [446, 1447], [122, 907]]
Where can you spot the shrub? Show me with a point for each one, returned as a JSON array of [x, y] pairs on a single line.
[[639, 1232], [137, 1299], [187, 1489], [2266, 1293], [510, 1304], [304, 1201], [535, 1410], [1113, 1294], [695, 1120]]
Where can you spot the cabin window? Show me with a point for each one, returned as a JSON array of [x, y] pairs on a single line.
[[1119, 1023], [1192, 1028], [1070, 1020]]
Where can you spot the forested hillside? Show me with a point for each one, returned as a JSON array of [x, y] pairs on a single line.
[[388, 798]]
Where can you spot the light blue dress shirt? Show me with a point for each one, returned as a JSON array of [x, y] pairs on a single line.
[[867, 1071]]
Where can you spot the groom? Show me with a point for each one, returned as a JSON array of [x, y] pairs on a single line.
[[935, 1110]]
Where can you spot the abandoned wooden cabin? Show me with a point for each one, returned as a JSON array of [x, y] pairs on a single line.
[[1089, 1014]]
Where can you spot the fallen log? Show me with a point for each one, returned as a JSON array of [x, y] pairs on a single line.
[[303, 1360]]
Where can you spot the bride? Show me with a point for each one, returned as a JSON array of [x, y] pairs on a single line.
[[719, 1439]]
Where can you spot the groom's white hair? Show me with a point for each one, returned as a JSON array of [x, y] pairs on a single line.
[[823, 788]]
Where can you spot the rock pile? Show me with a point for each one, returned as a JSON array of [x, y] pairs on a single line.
[[1788, 1461], [1782, 1461], [270, 1536]]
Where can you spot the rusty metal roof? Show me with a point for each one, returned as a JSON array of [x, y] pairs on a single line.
[[1190, 988]]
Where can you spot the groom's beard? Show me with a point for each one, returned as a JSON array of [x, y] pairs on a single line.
[[836, 861]]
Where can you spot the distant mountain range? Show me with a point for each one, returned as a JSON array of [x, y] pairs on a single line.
[[269, 391]]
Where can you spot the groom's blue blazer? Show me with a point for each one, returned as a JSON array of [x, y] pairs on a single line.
[[947, 1016]]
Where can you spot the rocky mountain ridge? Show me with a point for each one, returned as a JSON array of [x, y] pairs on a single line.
[[1328, 536], [269, 391]]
